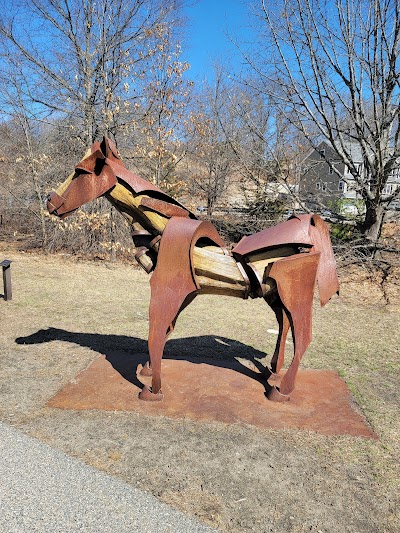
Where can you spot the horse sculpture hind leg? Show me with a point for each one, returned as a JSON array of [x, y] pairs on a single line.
[[295, 277], [284, 325]]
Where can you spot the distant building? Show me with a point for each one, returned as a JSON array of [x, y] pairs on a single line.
[[324, 178]]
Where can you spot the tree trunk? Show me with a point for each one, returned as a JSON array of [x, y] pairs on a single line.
[[210, 206], [371, 227], [113, 251], [27, 131]]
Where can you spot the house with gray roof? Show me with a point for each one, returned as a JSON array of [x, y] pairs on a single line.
[[324, 178]]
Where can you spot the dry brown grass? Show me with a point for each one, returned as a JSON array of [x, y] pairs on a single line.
[[235, 478]]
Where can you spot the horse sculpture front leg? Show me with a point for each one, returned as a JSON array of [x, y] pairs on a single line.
[[156, 342], [165, 307], [173, 287]]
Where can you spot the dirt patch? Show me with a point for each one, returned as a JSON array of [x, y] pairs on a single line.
[[232, 477], [216, 390]]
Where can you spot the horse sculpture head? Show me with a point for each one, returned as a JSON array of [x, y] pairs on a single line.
[[93, 177]]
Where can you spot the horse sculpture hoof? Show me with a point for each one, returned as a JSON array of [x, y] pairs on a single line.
[[148, 396], [275, 396], [146, 370]]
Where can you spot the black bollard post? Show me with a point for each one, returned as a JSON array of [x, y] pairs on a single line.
[[6, 264]]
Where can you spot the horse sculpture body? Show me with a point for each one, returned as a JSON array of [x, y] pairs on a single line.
[[187, 257]]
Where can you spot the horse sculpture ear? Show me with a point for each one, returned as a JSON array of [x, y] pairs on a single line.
[[95, 147], [109, 149], [92, 163]]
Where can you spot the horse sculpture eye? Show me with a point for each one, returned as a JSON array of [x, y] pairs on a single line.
[[80, 172]]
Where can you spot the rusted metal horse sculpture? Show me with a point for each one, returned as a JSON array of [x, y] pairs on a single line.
[[187, 257]]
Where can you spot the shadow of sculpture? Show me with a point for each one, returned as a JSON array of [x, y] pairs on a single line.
[[125, 353]]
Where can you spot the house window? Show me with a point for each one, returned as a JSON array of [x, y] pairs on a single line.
[[387, 189], [321, 186], [396, 173], [342, 186], [359, 168]]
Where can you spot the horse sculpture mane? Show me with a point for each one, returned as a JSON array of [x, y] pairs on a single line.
[[187, 257]]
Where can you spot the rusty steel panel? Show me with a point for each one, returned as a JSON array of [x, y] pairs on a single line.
[[164, 208], [292, 231]]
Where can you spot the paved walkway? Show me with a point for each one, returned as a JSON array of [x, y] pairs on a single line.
[[44, 490]]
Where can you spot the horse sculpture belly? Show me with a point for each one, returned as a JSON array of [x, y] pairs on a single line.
[[188, 257]]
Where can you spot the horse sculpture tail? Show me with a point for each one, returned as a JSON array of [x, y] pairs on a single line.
[[327, 278]]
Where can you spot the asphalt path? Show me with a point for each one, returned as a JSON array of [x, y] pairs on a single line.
[[44, 490]]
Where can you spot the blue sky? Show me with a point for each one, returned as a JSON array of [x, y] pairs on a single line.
[[208, 23]]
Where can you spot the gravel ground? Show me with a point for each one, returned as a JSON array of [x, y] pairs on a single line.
[[44, 490]]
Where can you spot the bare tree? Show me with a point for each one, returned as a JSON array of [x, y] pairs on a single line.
[[28, 158], [211, 127], [263, 144], [332, 69], [80, 67], [82, 58], [160, 133]]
